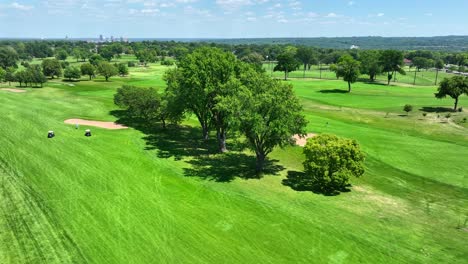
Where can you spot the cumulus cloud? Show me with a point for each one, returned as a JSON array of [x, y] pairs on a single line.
[[21, 7]]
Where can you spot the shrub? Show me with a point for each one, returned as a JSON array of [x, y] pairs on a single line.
[[167, 63], [330, 162], [460, 109], [131, 64], [448, 115], [408, 108], [424, 114]]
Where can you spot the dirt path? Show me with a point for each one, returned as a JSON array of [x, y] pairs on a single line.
[[13, 90], [101, 124], [301, 141]]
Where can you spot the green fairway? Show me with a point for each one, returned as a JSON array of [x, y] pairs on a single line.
[[151, 196]]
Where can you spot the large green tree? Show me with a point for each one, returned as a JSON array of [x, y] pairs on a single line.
[[307, 56], [88, 69], [202, 78], [51, 68], [370, 63], [453, 87], [330, 162], [8, 57], [348, 68], [265, 111], [287, 62], [392, 62], [72, 72], [106, 70]]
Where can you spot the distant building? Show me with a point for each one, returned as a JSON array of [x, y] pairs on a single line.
[[101, 38], [112, 39], [408, 62], [354, 47]]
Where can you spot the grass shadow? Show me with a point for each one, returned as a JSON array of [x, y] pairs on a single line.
[[228, 166], [437, 109], [298, 181], [333, 91], [181, 142]]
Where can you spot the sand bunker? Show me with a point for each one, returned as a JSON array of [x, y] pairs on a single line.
[[13, 90], [102, 124], [301, 141]]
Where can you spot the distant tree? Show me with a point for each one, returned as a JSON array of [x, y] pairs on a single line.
[[439, 65], [453, 87], [51, 68], [107, 70], [407, 108], [72, 72], [306, 56], [370, 63], [179, 52], [254, 58], [2, 74], [21, 77], [10, 75], [330, 162], [348, 68], [146, 55], [35, 75], [143, 103], [392, 62], [95, 59], [88, 69], [265, 111], [61, 55], [106, 52], [8, 57], [287, 63], [122, 68]]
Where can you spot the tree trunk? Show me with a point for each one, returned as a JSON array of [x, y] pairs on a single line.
[[437, 75], [163, 121], [260, 163], [90, 77], [305, 65], [414, 81], [285, 75], [320, 69], [456, 104], [107, 78], [205, 132], [349, 87], [388, 78], [221, 136]]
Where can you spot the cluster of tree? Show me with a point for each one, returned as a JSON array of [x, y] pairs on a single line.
[[32, 76], [227, 96]]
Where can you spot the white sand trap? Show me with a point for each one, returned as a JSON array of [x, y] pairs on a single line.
[[102, 124], [301, 141], [13, 90]]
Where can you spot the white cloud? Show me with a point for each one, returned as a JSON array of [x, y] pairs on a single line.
[[351, 3], [19, 6], [380, 14], [428, 14], [331, 15]]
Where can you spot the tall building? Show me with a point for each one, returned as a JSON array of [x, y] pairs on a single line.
[[101, 38]]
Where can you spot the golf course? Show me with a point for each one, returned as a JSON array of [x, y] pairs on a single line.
[[144, 194]]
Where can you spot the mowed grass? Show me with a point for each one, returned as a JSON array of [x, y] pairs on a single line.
[[423, 77], [130, 196]]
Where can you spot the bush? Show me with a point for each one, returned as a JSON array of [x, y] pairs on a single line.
[[448, 115], [330, 162], [460, 109], [167, 63], [408, 108], [424, 114], [131, 64], [464, 120]]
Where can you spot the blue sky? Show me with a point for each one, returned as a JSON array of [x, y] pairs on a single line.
[[232, 18]]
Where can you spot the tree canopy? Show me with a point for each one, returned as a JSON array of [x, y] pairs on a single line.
[[348, 68], [453, 87], [330, 162]]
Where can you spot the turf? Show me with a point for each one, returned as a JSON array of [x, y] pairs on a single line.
[[145, 195]]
